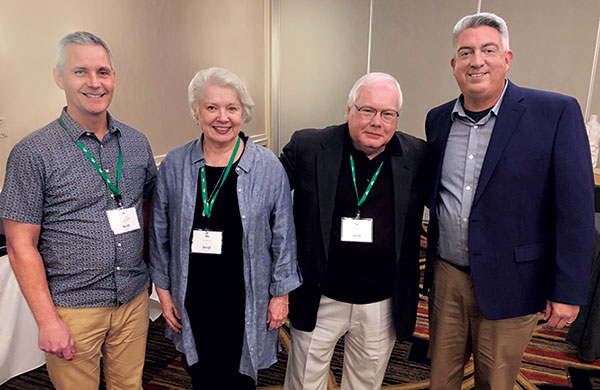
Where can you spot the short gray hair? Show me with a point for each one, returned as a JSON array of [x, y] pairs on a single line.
[[482, 19], [369, 78], [222, 78], [80, 38]]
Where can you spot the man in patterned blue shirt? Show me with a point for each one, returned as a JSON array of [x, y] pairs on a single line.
[[72, 209]]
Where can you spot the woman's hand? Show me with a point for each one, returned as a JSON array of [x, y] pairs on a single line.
[[278, 311], [169, 310]]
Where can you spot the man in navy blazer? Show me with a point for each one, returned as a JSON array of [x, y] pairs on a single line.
[[512, 215]]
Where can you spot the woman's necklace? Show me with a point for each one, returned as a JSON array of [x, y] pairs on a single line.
[[217, 183]]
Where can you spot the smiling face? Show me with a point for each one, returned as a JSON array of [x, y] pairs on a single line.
[[370, 135], [480, 65], [220, 115], [88, 81]]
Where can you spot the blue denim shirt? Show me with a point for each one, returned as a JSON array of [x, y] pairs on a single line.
[[269, 243]]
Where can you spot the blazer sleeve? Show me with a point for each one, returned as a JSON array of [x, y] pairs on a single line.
[[573, 208]]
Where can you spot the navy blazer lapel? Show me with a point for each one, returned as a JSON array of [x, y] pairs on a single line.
[[329, 161], [437, 141], [509, 115]]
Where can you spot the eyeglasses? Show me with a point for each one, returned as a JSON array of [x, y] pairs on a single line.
[[368, 113]]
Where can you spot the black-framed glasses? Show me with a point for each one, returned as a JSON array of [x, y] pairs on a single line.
[[369, 113]]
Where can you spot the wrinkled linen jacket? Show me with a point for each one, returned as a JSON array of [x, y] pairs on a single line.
[[269, 243]]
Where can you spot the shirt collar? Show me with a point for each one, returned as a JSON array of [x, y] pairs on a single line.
[[77, 131], [459, 111], [244, 162]]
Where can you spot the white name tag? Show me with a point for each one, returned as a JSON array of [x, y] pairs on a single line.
[[357, 229], [123, 220], [207, 241]]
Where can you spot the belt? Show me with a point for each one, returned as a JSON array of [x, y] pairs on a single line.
[[463, 268]]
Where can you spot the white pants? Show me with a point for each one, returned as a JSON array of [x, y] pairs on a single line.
[[370, 338]]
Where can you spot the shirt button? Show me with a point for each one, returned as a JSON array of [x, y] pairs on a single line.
[[101, 146], [466, 249], [118, 244], [243, 217], [239, 190], [468, 188], [471, 157], [112, 195], [475, 127], [118, 268], [88, 133], [106, 170], [465, 219]]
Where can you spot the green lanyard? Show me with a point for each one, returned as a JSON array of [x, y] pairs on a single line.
[[208, 203], [362, 200], [113, 188]]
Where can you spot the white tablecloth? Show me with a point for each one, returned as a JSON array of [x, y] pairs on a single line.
[[19, 351]]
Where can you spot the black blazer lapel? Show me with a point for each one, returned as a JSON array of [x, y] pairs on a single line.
[[329, 161], [401, 175]]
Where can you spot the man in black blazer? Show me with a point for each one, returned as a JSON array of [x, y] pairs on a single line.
[[358, 204], [512, 216]]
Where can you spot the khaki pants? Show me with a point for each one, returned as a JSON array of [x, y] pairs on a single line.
[[368, 343], [457, 328], [119, 333]]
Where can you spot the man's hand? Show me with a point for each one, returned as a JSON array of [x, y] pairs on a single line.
[[54, 337], [559, 315]]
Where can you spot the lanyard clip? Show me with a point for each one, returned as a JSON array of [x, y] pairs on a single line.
[[119, 200], [357, 215]]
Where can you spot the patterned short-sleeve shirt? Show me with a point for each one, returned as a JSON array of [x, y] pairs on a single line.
[[50, 182]]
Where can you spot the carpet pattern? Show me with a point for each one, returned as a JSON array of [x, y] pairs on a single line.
[[549, 363]]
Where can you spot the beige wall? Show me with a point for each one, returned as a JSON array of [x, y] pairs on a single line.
[[412, 42], [553, 43], [322, 52], [158, 46], [553, 46]]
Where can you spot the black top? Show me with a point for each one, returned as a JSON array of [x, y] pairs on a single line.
[[477, 115], [363, 272], [215, 295]]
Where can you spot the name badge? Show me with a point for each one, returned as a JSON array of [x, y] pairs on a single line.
[[123, 220], [207, 241], [357, 229]]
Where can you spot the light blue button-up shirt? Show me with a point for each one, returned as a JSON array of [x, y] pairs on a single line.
[[269, 243], [465, 152]]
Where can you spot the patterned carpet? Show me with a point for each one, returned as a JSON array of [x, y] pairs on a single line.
[[550, 363]]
